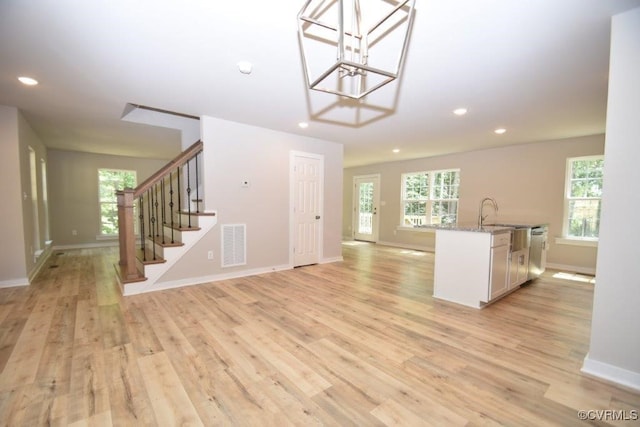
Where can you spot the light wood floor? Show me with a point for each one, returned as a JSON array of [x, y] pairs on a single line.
[[360, 342]]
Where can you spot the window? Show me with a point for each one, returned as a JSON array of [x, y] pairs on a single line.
[[583, 193], [430, 197], [109, 181]]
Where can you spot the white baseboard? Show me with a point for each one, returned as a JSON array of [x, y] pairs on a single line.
[[105, 244], [132, 289], [42, 259], [572, 268], [23, 281], [611, 373]]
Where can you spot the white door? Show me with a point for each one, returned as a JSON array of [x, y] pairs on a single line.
[[306, 189], [366, 201]]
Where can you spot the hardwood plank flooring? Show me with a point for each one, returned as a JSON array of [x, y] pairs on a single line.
[[359, 342]]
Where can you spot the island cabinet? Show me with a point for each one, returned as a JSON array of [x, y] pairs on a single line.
[[519, 267], [471, 267]]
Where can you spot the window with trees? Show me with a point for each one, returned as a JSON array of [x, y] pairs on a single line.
[[430, 197], [583, 197], [109, 181]]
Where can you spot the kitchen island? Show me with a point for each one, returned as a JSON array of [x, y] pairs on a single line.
[[472, 264]]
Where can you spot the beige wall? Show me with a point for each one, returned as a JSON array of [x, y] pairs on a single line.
[[18, 261], [13, 268], [34, 239], [235, 152], [73, 193], [614, 352], [526, 180]]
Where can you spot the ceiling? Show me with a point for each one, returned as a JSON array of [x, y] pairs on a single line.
[[537, 68]]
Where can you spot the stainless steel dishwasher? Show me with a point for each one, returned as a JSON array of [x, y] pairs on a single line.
[[538, 251]]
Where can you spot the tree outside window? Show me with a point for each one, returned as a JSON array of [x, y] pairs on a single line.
[[583, 199], [110, 181], [430, 197]]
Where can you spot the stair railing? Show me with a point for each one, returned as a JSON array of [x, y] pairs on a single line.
[[151, 204]]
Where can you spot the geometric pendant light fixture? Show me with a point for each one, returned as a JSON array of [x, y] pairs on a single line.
[[351, 47]]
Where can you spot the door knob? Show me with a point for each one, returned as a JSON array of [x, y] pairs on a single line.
[[317, 216]]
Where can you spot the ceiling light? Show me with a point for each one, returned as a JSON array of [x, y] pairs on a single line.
[[303, 125], [500, 131], [369, 40], [396, 150], [245, 67], [27, 81], [460, 111]]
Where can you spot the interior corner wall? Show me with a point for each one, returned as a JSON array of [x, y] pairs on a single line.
[[527, 181], [13, 268], [614, 352], [73, 193], [32, 241], [235, 152]]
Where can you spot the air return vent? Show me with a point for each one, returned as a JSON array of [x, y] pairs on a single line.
[[234, 239]]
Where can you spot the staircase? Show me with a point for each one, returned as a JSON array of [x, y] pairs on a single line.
[[160, 220]]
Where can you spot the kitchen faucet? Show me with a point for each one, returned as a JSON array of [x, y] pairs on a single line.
[[481, 217]]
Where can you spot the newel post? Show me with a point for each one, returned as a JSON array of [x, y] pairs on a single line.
[[126, 233]]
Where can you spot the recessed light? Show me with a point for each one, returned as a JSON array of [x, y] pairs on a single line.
[[396, 150], [27, 81], [245, 67], [500, 131], [460, 111], [303, 125]]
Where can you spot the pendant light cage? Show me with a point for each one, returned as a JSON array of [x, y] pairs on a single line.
[[351, 47]]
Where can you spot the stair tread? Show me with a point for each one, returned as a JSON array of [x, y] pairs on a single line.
[[184, 227], [149, 258], [198, 213], [167, 241]]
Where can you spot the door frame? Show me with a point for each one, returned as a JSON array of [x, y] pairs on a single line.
[[293, 154], [376, 201]]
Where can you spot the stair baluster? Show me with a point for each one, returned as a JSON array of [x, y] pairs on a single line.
[[171, 204], [152, 210]]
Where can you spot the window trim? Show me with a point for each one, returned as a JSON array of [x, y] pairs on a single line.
[[100, 235], [566, 239], [429, 201]]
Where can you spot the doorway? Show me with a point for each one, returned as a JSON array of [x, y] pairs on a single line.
[[307, 177], [366, 199]]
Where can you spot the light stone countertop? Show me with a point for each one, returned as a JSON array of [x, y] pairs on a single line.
[[493, 229]]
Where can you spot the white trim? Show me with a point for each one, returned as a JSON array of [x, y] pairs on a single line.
[[355, 198], [572, 268], [107, 237], [567, 189], [574, 241], [106, 244], [41, 260], [141, 287], [611, 373], [23, 281], [292, 226]]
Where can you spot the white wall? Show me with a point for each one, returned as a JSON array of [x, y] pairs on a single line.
[[235, 152], [614, 352], [526, 180]]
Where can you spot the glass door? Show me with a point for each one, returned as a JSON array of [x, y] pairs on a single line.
[[366, 202]]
